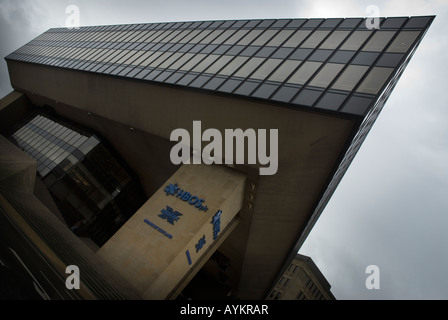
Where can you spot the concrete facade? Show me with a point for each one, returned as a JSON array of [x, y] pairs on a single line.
[[156, 255]]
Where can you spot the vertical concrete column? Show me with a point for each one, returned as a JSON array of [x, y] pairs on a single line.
[[185, 219]]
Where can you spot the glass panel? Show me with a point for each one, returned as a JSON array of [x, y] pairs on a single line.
[[334, 40], [365, 58], [250, 66], [375, 80], [261, 40], [211, 36], [356, 40], [350, 77], [379, 41], [314, 40], [266, 68], [221, 62], [280, 38], [206, 62], [305, 72], [285, 70], [223, 36], [250, 37], [192, 62], [326, 75], [232, 66], [181, 61], [238, 35], [403, 41]]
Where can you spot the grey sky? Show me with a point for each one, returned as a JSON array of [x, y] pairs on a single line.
[[391, 208]]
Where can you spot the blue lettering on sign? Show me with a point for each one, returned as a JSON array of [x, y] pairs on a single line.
[[216, 221], [175, 190], [170, 215], [200, 244], [188, 257], [166, 234]]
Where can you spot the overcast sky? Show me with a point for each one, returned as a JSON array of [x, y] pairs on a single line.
[[391, 208]]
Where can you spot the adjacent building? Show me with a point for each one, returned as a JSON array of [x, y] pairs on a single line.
[[95, 110], [302, 280]]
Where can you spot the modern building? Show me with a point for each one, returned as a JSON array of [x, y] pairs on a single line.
[[302, 280], [188, 159]]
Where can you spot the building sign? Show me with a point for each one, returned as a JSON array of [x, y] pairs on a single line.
[[170, 215], [216, 221], [166, 234], [200, 244], [175, 190]]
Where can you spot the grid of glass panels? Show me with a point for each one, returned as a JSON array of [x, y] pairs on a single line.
[[50, 143], [93, 190], [321, 63]]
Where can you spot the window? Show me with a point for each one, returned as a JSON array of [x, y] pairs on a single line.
[[206, 63], [356, 40], [297, 38], [250, 66], [403, 41], [334, 40], [375, 80], [261, 40], [326, 75], [248, 38], [314, 40], [266, 68], [350, 77], [218, 64], [379, 41], [305, 72], [280, 38], [236, 36], [232, 66]]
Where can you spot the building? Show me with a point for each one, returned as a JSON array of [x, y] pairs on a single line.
[[100, 110], [302, 280]]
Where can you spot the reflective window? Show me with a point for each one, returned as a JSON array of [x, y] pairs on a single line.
[[375, 80], [223, 36], [365, 58], [170, 60], [334, 40], [350, 77], [248, 38], [280, 38], [221, 62], [356, 40], [236, 36], [206, 63], [403, 41], [305, 72], [315, 39], [193, 61], [297, 38], [181, 61], [232, 66], [379, 41], [284, 70], [250, 66], [266, 68], [307, 97], [326, 75], [261, 40]]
